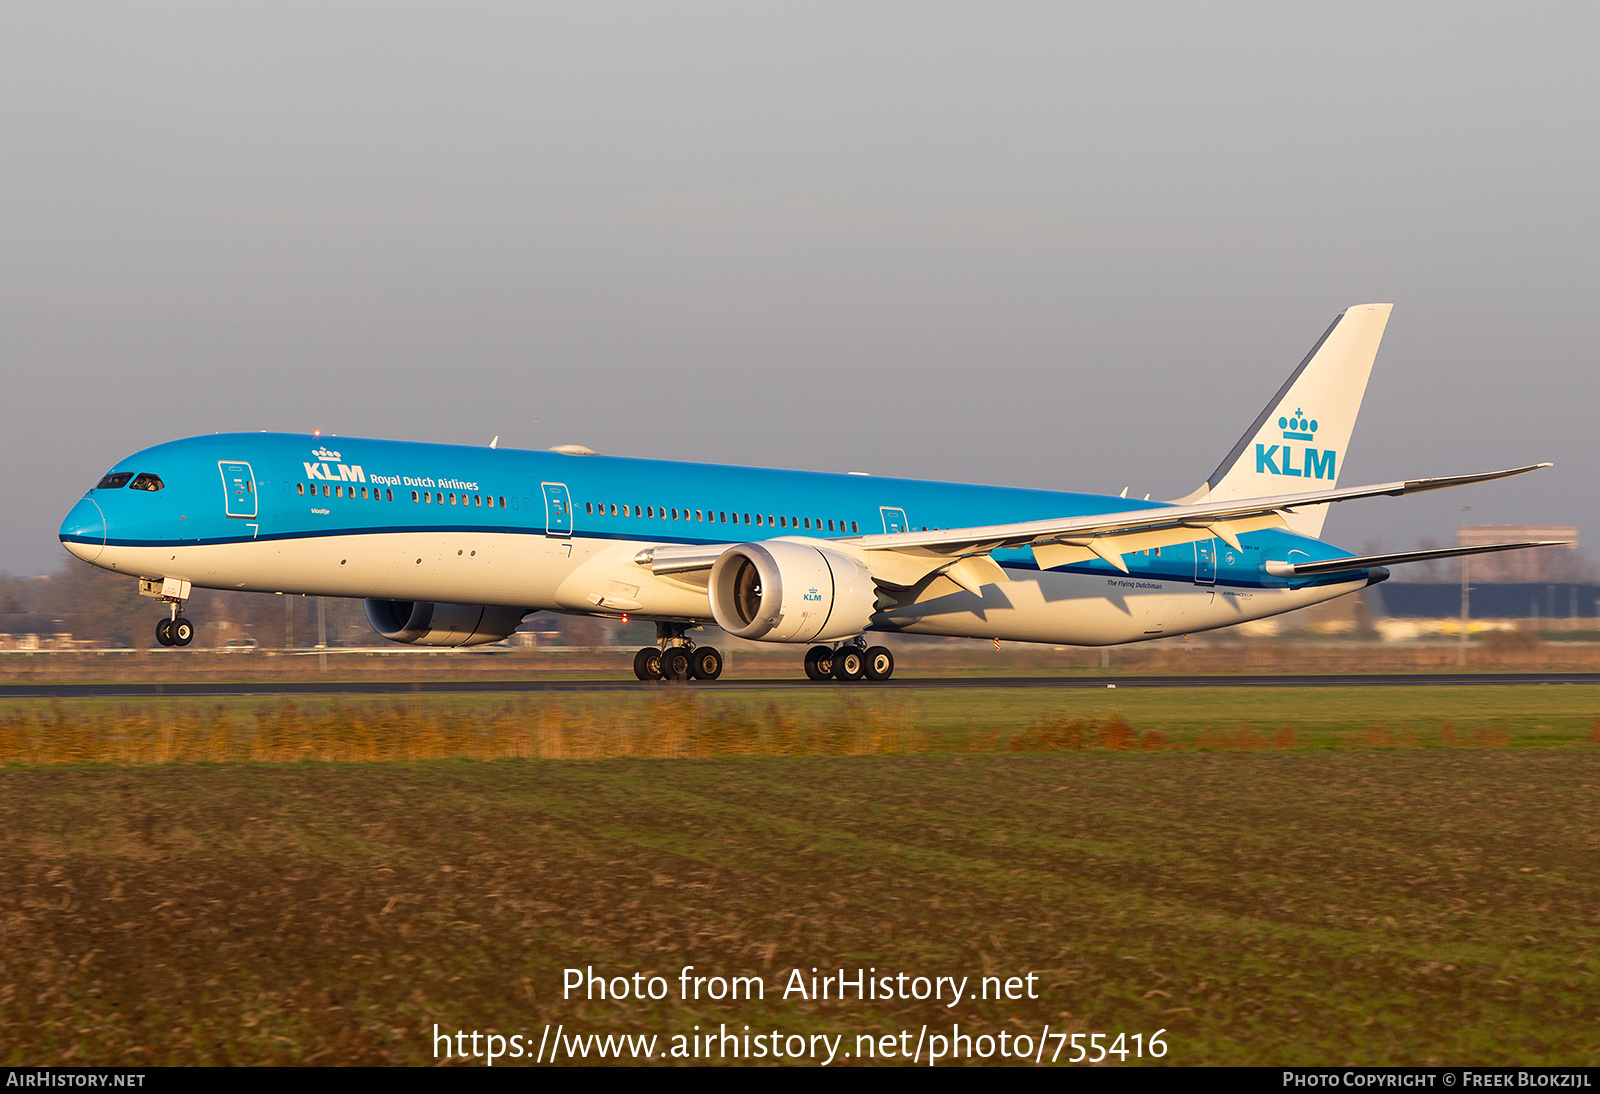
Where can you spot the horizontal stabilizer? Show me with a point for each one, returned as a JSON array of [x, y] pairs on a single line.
[[1367, 562]]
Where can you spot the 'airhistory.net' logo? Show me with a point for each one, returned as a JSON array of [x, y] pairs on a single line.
[[1279, 459]]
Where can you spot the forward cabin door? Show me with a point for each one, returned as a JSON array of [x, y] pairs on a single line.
[[238, 489], [557, 510]]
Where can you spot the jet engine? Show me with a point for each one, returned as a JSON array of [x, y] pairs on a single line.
[[421, 623], [784, 590]]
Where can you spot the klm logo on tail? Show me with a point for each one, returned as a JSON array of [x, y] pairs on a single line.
[[1279, 459]]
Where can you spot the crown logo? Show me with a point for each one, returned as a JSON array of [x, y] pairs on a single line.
[[330, 454], [1297, 428]]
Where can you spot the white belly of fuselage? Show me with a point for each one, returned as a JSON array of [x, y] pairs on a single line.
[[600, 577]]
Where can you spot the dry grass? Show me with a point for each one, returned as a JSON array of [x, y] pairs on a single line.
[[685, 724]]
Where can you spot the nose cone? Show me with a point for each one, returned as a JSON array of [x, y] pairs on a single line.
[[84, 531]]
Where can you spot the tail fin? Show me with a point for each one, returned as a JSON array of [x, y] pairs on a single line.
[[1300, 439]]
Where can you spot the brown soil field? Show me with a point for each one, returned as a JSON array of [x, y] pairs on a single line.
[[1263, 906]]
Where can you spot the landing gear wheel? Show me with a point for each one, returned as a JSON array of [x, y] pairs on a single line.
[[819, 663], [182, 631], [164, 631], [880, 663], [706, 663], [647, 664], [675, 663], [849, 664]]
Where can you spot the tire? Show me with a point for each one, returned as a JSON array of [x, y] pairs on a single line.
[[849, 664], [182, 631], [647, 664], [706, 663], [880, 663], [164, 631], [819, 663], [675, 664]]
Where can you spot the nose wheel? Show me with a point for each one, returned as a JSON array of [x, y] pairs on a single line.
[[176, 631]]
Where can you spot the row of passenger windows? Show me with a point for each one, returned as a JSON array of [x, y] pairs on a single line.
[[719, 516], [342, 491], [649, 512], [477, 501]]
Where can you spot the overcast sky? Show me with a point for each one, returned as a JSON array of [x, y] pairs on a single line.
[[1062, 246]]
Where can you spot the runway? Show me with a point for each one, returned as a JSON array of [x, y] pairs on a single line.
[[201, 689]]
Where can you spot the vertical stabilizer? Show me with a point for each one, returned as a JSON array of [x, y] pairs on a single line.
[[1300, 440]]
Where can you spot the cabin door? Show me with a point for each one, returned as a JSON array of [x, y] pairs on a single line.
[[238, 489], [1205, 562], [894, 520], [557, 509]]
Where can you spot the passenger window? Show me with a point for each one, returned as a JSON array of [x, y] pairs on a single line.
[[697, 516], [758, 520], [853, 527], [338, 491], [146, 481], [502, 503], [808, 523], [782, 523], [674, 514], [624, 510], [477, 501], [363, 493], [300, 488], [588, 508], [115, 481]]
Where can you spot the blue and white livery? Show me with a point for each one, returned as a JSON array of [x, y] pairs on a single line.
[[453, 545]]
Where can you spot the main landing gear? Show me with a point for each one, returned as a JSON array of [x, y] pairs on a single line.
[[854, 660], [675, 657]]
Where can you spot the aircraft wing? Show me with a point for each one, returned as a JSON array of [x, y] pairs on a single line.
[[1366, 562], [904, 558], [1111, 535]]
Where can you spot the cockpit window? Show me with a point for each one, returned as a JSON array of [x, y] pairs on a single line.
[[114, 481], [146, 481]]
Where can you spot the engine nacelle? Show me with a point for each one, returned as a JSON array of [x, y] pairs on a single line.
[[786, 590], [421, 623]]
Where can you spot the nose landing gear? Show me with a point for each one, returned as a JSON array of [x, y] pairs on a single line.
[[174, 593]]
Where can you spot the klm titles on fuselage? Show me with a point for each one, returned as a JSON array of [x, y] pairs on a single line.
[[1278, 459], [352, 472]]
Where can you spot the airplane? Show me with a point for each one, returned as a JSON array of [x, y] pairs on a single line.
[[453, 545]]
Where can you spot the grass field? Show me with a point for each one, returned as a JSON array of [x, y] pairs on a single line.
[[685, 722], [1335, 897]]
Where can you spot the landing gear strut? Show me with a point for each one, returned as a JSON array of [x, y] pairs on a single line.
[[676, 657], [854, 660]]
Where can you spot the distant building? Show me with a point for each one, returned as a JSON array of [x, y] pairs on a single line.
[[1542, 564]]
